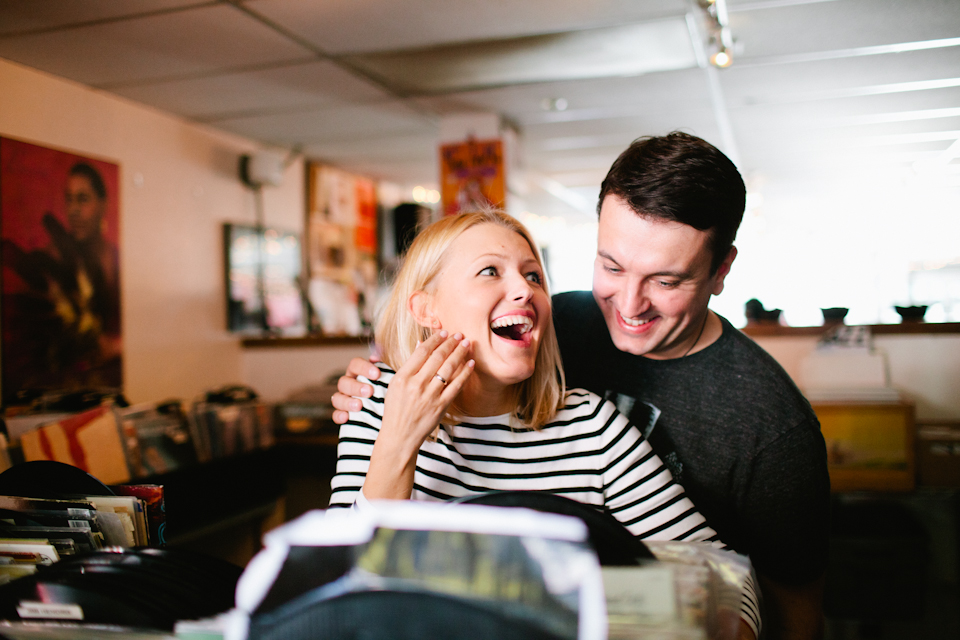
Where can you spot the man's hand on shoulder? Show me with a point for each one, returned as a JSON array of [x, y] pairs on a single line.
[[349, 389]]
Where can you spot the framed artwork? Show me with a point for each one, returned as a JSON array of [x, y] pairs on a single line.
[[59, 223], [472, 176], [341, 250], [262, 269]]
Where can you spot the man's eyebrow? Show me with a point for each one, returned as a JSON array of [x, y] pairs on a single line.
[[681, 275], [606, 256]]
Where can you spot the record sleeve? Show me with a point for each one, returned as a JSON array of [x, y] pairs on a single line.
[[157, 439]]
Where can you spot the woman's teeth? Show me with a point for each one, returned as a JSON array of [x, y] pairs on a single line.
[[512, 327]]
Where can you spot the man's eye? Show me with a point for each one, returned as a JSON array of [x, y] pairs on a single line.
[[489, 271], [533, 276], [612, 269], [668, 284]]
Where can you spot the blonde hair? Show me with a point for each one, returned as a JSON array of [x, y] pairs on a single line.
[[398, 332]]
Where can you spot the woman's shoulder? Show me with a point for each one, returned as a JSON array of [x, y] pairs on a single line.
[[580, 402]]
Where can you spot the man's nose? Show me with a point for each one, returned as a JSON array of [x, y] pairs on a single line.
[[633, 301]]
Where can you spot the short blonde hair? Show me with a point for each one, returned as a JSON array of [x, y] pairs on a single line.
[[398, 332]]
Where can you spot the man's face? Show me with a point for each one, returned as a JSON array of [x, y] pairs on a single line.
[[84, 208], [652, 281]]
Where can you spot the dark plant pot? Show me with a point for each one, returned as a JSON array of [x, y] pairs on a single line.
[[834, 314], [912, 314]]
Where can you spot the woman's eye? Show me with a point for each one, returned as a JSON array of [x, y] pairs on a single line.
[[533, 276], [489, 271]]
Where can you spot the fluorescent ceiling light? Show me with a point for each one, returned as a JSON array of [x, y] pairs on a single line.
[[771, 4], [902, 116], [908, 138], [856, 52]]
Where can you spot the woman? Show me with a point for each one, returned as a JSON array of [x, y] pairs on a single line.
[[477, 402]]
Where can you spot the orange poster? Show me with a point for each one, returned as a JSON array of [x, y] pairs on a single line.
[[472, 175]]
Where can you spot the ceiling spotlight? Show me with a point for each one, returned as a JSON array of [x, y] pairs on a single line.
[[721, 59], [553, 104]]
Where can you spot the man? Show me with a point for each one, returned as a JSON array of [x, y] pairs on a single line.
[[725, 417]]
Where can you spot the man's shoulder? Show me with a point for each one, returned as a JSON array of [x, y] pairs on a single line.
[[743, 371], [579, 323], [575, 305]]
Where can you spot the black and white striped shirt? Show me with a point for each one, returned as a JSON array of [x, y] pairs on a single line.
[[589, 452]]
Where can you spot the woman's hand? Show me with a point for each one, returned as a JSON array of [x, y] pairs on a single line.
[[417, 398]]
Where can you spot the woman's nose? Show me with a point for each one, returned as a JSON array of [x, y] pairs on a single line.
[[521, 290]]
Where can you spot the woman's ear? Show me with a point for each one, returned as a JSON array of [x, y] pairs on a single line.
[[420, 306]]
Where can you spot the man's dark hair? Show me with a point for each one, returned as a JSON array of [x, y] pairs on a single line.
[[93, 176], [682, 178]]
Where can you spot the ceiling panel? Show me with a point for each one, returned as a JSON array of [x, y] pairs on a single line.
[[623, 50], [188, 42], [297, 86], [341, 124], [826, 80], [844, 24], [17, 16], [594, 99], [361, 26]]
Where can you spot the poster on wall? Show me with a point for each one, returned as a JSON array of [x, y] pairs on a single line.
[[472, 176], [59, 223], [341, 250], [263, 280]]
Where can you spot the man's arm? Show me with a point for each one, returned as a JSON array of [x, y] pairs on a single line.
[[792, 612], [788, 523]]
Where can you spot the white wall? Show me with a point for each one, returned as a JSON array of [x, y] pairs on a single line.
[[925, 366], [175, 340]]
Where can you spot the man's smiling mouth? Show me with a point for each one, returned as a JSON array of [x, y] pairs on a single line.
[[512, 327], [630, 322]]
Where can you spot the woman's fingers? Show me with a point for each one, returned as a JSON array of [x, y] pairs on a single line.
[[455, 385], [423, 352], [447, 358]]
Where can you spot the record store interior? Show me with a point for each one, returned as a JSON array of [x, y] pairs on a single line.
[[203, 208]]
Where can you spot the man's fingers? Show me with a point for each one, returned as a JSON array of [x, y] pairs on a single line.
[[340, 417], [343, 402], [352, 387], [362, 367]]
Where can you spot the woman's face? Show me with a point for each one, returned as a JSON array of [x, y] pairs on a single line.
[[490, 289]]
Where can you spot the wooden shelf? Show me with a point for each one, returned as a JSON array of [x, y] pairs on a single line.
[[305, 341], [906, 328]]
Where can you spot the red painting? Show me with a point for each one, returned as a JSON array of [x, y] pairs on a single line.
[[59, 223]]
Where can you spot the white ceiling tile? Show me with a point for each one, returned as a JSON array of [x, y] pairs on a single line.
[[623, 50], [360, 26], [182, 43], [339, 124], [830, 26], [293, 86], [17, 16]]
